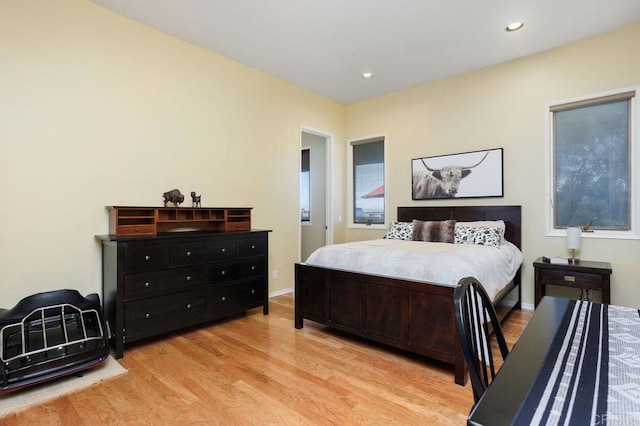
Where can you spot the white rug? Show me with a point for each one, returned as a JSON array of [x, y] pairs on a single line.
[[27, 397]]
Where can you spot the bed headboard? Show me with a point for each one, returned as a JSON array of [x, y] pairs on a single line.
[[511, 215]]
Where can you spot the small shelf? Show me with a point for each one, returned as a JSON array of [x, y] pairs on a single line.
[[124, 220], [135, 212], [238, 220]]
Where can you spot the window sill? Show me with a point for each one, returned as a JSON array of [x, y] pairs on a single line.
[[363, 226], [613, 235]]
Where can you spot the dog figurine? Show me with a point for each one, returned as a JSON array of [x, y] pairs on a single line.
[[195, 200]]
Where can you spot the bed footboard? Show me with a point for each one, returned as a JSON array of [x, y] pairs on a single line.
[[414, 316]]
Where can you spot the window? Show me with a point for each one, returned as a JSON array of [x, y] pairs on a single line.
[[305, 186], [368, 202], [593, 167]]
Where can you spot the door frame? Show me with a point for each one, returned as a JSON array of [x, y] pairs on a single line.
[[328, 137]]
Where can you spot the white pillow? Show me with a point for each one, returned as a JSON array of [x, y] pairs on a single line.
[[399, 231], [483, 232], [497, 224]]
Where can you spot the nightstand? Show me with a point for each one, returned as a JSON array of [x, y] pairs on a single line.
[[585, 275]]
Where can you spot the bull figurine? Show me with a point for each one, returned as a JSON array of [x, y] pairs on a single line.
[[440, 183], [175, 196], [195, 200]]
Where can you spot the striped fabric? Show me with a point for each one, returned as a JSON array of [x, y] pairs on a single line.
[[591, 374]]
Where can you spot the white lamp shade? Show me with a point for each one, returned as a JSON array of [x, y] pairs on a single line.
[[573, 238]]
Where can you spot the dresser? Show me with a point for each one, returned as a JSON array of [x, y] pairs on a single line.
[[159, 283]]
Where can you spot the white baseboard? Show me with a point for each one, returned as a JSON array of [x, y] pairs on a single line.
[[528, 306], [280, 292]]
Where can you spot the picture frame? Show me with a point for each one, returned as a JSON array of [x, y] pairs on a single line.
[[474, 174]]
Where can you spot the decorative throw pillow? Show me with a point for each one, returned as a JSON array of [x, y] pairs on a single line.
[[497, 224], [434, 231], [480, 235], [399, 231]]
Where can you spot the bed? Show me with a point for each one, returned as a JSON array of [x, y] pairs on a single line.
[[412, 315]]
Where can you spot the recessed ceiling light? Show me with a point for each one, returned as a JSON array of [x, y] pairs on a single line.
[[367, 75], [515, 26]]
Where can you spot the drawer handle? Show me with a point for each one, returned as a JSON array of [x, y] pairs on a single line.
[[188, 305], [570, 278], [224, 298], [253, 246], [147, 316], [146, 285], [223, 249], [188, 254], [223, 273], [253, 291], [188, 277], [137, 230], [253, 268], [147, 258]]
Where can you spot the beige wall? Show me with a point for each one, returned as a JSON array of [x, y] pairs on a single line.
[[504, 106], [97, 110]]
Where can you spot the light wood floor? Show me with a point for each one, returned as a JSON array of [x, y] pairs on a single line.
[[260, 370]]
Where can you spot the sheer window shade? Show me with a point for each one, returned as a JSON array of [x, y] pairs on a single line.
[[592, 176]]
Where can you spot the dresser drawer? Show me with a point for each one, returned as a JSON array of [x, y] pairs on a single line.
[[252, 267], [135, 230], [550, 276], [229, 297], [182, 254], [222, 250], [225, 271], [251, 247], [238, 226], [154, 315], [229, 271], [146, 284], [146, 257]]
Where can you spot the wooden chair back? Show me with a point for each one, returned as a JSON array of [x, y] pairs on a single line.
[[475, 319]]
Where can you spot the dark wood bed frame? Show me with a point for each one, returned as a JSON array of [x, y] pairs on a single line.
[[414, 316]]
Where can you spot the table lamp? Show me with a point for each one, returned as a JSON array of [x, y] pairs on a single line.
[[573, 242]]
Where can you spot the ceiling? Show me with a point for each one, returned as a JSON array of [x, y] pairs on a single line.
[[325, 45]]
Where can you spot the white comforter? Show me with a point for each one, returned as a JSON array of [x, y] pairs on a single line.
[[437, 263]]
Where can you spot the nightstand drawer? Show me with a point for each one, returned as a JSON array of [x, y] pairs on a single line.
[[569, 277], [586, 276]]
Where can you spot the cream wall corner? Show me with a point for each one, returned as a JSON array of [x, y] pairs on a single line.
[[99, 110], [503, 106]]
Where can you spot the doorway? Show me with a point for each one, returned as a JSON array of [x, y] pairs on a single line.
[[316, 229]]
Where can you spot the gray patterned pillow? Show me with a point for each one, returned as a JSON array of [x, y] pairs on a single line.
[[480, 235], [399, 231], [434, 231]]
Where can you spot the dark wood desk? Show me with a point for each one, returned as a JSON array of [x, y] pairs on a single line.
[[501, 401]]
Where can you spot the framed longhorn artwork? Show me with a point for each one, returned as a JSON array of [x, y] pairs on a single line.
[[473, 174]]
